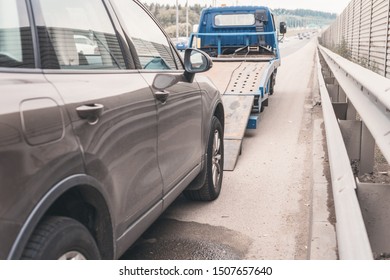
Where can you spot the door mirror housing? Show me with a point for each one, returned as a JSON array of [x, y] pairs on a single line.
[[195, 61], [283, 28]]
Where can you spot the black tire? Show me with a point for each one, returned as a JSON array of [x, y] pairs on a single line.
[[272, 85], [265, 103], [262, 106], [214, 166], [61, 238]]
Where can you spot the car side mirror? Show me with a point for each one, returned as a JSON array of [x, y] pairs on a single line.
[[283, 28], [195, 61]]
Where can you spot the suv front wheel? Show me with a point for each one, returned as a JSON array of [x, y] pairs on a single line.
[[214, 166]]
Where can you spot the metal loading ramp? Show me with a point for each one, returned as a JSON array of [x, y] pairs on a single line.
[[237, 111], [238, 82]]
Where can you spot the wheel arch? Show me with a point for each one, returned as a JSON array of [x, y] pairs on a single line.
[[219, 112], [80, 197]]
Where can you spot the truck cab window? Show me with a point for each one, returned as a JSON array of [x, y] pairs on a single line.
[[152, 46], [235, 20]]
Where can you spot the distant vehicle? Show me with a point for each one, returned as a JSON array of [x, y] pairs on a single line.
[[182, 45], [85, 46]]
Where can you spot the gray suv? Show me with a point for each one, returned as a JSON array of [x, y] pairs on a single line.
[[102, 126]]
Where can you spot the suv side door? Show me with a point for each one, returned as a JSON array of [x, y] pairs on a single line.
[[37, 144], [179, 107], [112, 110]]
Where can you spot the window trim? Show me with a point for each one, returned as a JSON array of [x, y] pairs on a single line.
[[30, 20], [134, 51], [20, 70], [88, 71], [129, 60], [34, 34]]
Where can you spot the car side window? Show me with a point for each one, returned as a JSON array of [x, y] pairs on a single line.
[[77, 35], [152, 46], [16, 47]]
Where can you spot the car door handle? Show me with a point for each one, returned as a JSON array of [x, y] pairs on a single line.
[[162, 96], [90, 112]]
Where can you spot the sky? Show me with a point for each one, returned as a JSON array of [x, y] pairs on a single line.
[[333, 6]]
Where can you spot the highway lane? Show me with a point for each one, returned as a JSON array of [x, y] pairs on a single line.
[[291, 45], [265, 210]]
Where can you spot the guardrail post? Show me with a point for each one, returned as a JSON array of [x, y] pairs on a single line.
[[360, 145], [351, 131], [367, 151], [337, 97], [373, 200], [351, 111], [342, 95], [333, 92]]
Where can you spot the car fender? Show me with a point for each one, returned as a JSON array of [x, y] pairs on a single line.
[[44, 204]]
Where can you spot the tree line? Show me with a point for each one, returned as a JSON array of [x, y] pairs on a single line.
[[305, 13], [166, 15]]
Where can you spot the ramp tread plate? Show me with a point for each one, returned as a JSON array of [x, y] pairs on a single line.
[[237, 111], [236, 77], [246, 79], [232, 151]]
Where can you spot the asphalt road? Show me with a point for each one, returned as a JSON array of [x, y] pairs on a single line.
[[265, 210]]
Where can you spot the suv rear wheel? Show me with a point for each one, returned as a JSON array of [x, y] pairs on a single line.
[[61, 238], [214, 166]]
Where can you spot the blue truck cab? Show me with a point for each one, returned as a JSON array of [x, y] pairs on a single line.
[[234, 32]]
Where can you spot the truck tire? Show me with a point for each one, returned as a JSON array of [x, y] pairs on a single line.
[[264, 104], [272, 85], [214, 166], [262, 107], [61, 238]]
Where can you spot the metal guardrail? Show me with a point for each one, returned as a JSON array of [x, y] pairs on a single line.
[[347, 89]]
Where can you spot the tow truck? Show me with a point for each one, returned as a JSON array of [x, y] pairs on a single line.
[[243, 43]]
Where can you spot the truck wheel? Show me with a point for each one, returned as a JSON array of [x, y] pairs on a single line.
[[272, 85], [61, 238], [264, 104], [214, 166], [262, 107]]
